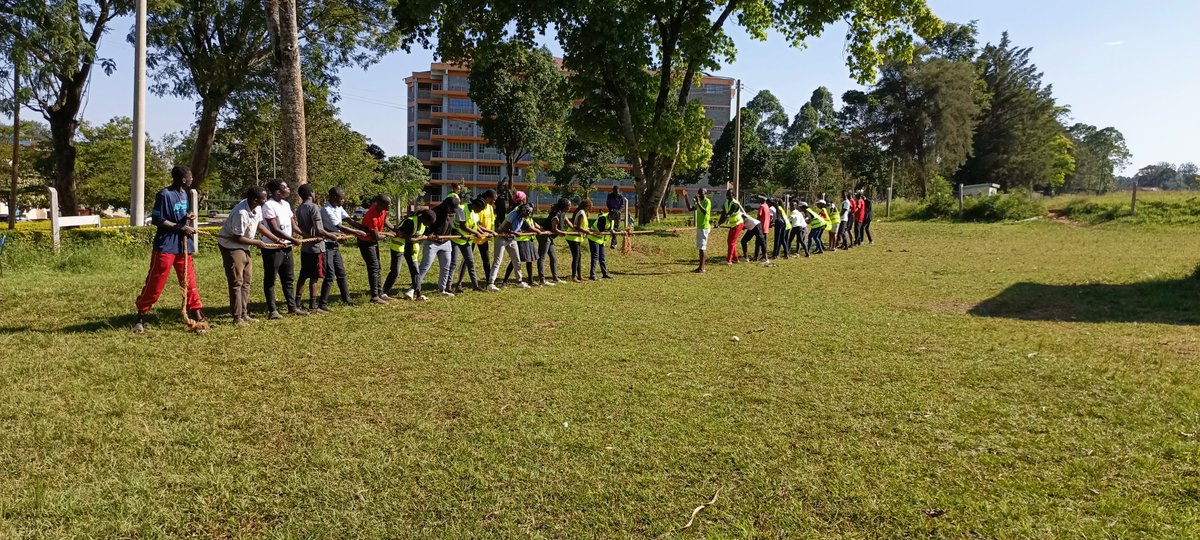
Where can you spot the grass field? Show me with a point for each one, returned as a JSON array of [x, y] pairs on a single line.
[[1030, 380]]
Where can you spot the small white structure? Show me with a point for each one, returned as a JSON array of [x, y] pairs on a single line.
[[980, 190]]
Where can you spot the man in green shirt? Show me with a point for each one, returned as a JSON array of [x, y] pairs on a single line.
[[703, 212]]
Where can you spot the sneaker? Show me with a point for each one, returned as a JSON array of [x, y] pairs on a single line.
[[422, 298], [558, 281], [386, 298], [410, 294], [550, 283], [492, 288], [139, 328], [241, 322], [320, 310], [274, 316], [378, 300], [249, 319], [448, 294], [522, 285], [297, 312]]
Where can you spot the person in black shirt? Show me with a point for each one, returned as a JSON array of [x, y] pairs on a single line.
[[440, 226]]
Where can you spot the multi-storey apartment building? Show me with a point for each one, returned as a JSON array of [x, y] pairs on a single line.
[[443, 129]]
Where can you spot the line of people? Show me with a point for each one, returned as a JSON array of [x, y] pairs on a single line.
[[447, 233], [795, 223]]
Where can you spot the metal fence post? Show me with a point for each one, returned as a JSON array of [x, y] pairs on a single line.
[[960, 199]]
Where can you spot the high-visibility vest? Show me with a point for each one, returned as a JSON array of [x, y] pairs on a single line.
[[817, 221], [781, 215], [472, 222], [703, 212], [602, 225], [574, 237], [836, 216], [418, 230], [733, 208]]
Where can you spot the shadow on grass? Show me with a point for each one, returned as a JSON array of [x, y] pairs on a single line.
[[1162, 302]]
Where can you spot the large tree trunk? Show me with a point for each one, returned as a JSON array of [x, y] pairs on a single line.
[[62, 132], [206, 134], [281, 24], [653, 189]]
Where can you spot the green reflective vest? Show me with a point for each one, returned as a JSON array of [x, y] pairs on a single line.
[[472, 222], [817, 221], [733, 209], [418, 230], [601, 226], [583, 224], [781, 214], [704, 213]]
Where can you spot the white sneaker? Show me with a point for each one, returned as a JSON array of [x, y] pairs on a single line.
[[447, 293], [493, 288], [550, 283], [422, 298], [410, 294], [522, 285]]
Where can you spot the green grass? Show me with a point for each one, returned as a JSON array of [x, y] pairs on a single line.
[[995, 381]]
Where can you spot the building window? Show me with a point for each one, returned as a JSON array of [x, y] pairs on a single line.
[[461, 105], [489, 170], [461, 147]]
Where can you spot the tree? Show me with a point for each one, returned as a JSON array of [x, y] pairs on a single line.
[[798, 169], [60, 39], [1099, 154], [585, 165], [103, 165], [772, 120], [216, 49], [404, 177], [822, 103], [806, 121], [285, 43], [637, 61], [928, 110], [1014, 144], [523, 99], [36, 168]]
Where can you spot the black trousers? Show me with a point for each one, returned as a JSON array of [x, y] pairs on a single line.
[[597, 250], [370, 255], [576, 262], [866, 230], [279, 262], [546, 251], [797, 236], [782, 237], [335, 269]]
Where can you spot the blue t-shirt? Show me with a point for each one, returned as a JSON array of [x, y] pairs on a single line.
[[170, 205], [514, 218]]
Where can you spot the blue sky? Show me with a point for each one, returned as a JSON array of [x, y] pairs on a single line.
[[1130, 65]]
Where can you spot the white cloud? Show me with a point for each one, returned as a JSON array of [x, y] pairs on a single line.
[[1115, 43]]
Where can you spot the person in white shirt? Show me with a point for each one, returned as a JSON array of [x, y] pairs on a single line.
[[333, 218], [277, 214], [234, 240], [843, 232], [799, 227]]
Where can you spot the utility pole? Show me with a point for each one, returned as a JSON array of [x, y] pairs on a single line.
[[891, 184], [1133, 204], [137, 185], [737, 145], [12, 192]]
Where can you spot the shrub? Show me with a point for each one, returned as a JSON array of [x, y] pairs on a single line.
[[1169, 212], [1013, 206]]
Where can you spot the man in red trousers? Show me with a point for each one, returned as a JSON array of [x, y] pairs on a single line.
[[171, 216]]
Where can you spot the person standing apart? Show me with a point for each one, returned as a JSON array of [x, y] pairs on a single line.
[[506, 243], [553, 225], [372, 225], [438, 247], [333, 219], [868, 215], [170, 216], [615, 202], [703, 216], [277, 213], [732, 213], [312, 254], [578, 232]]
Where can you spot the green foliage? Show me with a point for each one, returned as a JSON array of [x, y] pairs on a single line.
[[941, 203], [1098, 154], [1016, 143], [586, 165], [403, 177], [1175, 211], [103, 166], [524, 99], [1064, 161], [772, 120], [759, 160], [798, 170], [806, 121]]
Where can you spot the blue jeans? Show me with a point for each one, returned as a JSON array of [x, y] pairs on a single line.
[[814, 238], [430, 250]]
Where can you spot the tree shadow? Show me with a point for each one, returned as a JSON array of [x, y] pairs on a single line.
[[1162, 302]]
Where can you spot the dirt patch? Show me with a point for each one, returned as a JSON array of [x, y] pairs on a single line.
[[1185, 346], [1060, 217]]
